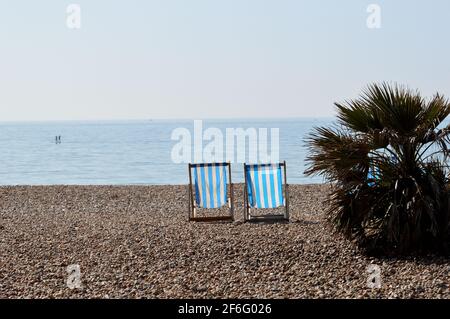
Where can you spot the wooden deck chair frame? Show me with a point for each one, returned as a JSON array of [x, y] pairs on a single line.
[[269, 217], [192, 216]]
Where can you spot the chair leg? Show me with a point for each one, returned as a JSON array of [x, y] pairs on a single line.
[[189, 203], [287, 202]]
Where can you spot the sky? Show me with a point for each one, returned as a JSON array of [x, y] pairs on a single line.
[[170, 59]]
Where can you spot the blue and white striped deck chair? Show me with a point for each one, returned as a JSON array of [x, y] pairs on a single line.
[[264, 190], [372, 176], [209, 186]]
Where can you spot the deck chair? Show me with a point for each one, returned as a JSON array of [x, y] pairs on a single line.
[[264, 189], [372, 176], [208, 188]]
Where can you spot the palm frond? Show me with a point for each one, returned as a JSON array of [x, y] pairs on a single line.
[[386, 158]]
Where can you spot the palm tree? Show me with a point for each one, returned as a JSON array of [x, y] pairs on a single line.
[[386, 159]]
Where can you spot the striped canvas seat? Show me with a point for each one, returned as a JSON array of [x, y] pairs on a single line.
[[264, 190], [372, 176], [210, 182], [264, 186], [210, 187]]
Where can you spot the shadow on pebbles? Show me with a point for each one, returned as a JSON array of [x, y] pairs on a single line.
[[135, 241]]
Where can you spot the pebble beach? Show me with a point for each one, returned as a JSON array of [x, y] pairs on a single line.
[[136, 242]]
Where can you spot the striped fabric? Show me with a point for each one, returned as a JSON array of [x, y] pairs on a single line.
[[210, 185], [373, 175], [264, 185]]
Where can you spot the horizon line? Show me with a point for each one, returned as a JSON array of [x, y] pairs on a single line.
[[165, 119]]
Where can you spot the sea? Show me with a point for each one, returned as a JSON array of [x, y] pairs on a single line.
[[136, 152]]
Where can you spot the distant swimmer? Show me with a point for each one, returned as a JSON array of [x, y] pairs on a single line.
[[58, 139]]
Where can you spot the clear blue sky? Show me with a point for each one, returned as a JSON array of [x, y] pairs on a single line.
[[212, 58]]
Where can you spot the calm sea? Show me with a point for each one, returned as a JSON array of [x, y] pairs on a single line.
[[125, 152]]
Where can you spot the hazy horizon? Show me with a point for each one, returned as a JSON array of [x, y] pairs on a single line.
[[222, 119], [140, 60]]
